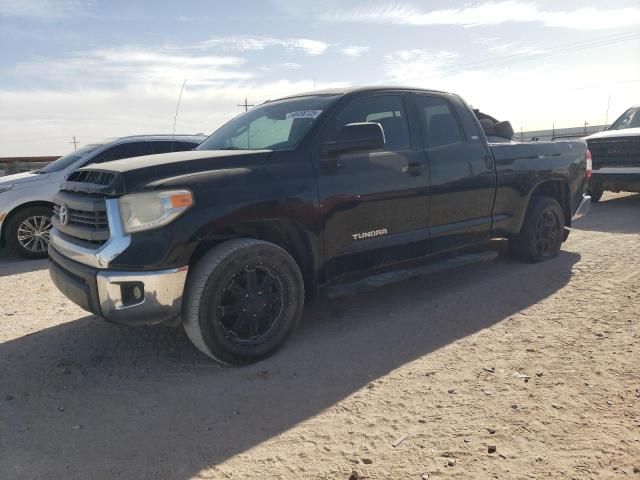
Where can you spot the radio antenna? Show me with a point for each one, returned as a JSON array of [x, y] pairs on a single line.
[[175, 117]]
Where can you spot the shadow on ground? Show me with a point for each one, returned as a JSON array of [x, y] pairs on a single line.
[[87, 399], [12, 265], [615, 214]]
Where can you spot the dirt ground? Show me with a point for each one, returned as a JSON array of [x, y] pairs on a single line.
[[420, 379]]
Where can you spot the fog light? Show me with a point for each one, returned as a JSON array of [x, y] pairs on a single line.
[[132, 293], [137, 292]]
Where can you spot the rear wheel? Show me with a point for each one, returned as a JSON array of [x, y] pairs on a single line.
[[243, 299], [542, 232], [28, 232]]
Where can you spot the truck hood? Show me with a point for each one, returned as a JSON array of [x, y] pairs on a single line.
[[21, 178], [133, 174], [627, 132]]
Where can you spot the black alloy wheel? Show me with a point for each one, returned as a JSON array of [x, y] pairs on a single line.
[[250, 304]]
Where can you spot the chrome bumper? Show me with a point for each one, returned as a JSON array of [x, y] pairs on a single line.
[[141, 297], [583, 208]]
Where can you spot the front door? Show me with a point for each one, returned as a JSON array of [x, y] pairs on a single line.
[[373, 201]]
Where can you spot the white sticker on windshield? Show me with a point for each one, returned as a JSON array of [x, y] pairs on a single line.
[[304, 114]]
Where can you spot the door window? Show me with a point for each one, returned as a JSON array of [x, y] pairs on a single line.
[[386, 110], [124, 150], [167, 146], [440, 126]]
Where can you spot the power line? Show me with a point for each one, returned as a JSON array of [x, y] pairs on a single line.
[[514, 58]]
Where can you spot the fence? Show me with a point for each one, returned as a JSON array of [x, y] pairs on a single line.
[[11, 165]]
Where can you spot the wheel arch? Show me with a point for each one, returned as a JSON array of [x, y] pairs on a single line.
[[285, 233], [558, 190], [17, 209]]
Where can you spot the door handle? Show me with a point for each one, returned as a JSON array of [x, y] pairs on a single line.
[[413, 169], [489, 161]]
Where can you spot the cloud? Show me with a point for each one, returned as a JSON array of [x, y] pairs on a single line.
[[414, 67], [245, 43], [34, 122], [40, 8], [492, 13], [354, 50], [132, 66], [532, 96]]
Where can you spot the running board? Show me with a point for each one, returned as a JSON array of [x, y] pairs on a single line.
[[387, 278]]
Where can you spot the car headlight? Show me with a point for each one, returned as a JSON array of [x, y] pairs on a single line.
[[144, 211], [5, 188]]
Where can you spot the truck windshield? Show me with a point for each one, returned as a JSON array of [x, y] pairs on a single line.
[[629, 119], [68, 159], [277, 125]]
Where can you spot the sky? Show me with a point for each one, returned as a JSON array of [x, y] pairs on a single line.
[[95, 69]]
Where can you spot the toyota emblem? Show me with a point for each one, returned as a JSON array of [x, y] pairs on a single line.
[[63, 215]]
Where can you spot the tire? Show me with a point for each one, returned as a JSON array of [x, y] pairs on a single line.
[[542, 232], [28, 232], [237, 317], [596, 192]]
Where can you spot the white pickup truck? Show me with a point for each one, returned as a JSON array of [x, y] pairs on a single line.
[[616, 156]]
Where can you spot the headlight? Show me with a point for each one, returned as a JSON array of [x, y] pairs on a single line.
[[5, 188], [144, 211]]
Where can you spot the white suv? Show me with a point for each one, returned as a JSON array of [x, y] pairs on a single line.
[[25, 198]]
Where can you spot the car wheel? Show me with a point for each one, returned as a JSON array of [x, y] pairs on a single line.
[[596, 192], [542, 232], [28, 232], [243, 299]]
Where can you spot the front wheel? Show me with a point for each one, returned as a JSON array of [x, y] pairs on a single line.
[[243, 299], [542, 232], [28, 232]]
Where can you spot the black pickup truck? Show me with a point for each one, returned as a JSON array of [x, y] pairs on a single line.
[[298, 194]]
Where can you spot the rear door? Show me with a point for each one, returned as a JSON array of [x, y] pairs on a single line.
[[373, 202], [461, 171]]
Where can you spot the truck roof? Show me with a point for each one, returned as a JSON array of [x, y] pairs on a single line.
[[345, 90]]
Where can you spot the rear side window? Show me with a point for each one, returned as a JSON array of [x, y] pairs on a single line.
[[166, 146], [386, 110], [440, 126], [124, 150]]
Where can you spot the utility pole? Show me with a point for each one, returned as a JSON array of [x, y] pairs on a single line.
[[606, 121], [585, 127], [245, 105], [75, 143]]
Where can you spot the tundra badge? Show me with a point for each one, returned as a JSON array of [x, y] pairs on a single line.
[[374, 233]]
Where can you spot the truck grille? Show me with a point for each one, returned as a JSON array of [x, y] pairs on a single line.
[[93, 220], [81, 218], [615, 152]]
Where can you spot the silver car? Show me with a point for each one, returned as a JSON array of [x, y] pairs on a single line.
[[25, 198]]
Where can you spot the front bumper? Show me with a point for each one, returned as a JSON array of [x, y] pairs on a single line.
[[131, 298], [583, 208]]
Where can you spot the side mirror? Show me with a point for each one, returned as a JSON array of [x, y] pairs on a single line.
[[357, 137], [504, 130]]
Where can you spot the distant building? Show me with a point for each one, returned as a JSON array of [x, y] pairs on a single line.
[[556, 133], [10, 165]]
